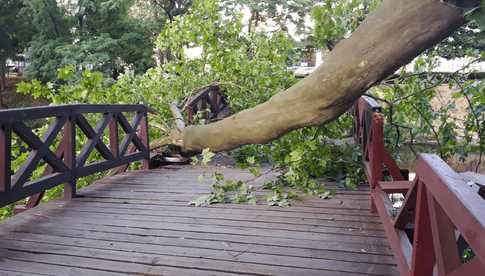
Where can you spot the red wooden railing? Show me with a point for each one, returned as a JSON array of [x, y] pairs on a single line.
[[210, 101], [65, 165], [440, 207]]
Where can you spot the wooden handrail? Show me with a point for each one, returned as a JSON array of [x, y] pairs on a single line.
[[209, 97], [65, 165], [440, 209], [369, 134]]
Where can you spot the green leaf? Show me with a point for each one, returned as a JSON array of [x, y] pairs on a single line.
[[325, 195], [66, 73], [251, 160], [283, 203], [207, 156], [200, 200], [256, 171], [24, 87], [218, 177], [478, 16], [194, 160], [296, 155]]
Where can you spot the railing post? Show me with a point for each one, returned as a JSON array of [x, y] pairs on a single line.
[[5, 156], [423, 258], [145, 140], [215, 101], [356, 123], [113, 135], [444, 240], [376, 153], [70, 156], [376, 150]]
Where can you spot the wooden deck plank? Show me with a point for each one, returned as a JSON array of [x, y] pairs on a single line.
[[100, 264], [156, 229], [200, 258], [11, 266], [167, 212], [154, 188], [184, 198], [285, 242], [317, 225], [57, 235], [139, 223], [296, 211], [115, 214]]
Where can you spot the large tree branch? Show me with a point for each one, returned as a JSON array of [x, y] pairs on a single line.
[[388, 39]]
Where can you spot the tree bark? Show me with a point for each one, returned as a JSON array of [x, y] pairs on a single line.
[[3, 81], [389, 38]]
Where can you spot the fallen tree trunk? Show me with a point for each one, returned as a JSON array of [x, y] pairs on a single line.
[[389, 38]]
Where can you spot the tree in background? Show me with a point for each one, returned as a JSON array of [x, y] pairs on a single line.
[[336, 20], [158, 13], [99, 35], [14, 34], [468, 41], [169, 9], [278, 14]]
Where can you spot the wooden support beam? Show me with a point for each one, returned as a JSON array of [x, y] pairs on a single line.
[[444, 240], [144, 136], [70, 156], [5, 157], [395, 187], [397, 238], [113, 135], [423, 259]]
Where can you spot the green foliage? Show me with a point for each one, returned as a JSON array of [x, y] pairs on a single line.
[[477, 15], [305, 157], [469, 40], [278, 198], [206, 155], [473, 127], [415, 113], [311, 153], [467, 255], [473, 10], [250, 67], [223, 190], [14, 32], [6, 211], [226, 191], [279, 13], [91, 34], [335, 20], [158, 12]]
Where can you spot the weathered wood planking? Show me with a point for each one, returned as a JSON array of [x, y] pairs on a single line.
[[139, 223]]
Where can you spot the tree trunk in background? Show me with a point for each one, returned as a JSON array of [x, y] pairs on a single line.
[[397, 32], [3, 82]]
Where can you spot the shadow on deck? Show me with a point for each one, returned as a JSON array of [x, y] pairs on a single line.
[[139, 223]]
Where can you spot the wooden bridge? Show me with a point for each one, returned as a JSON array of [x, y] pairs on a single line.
[[139, 223]]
